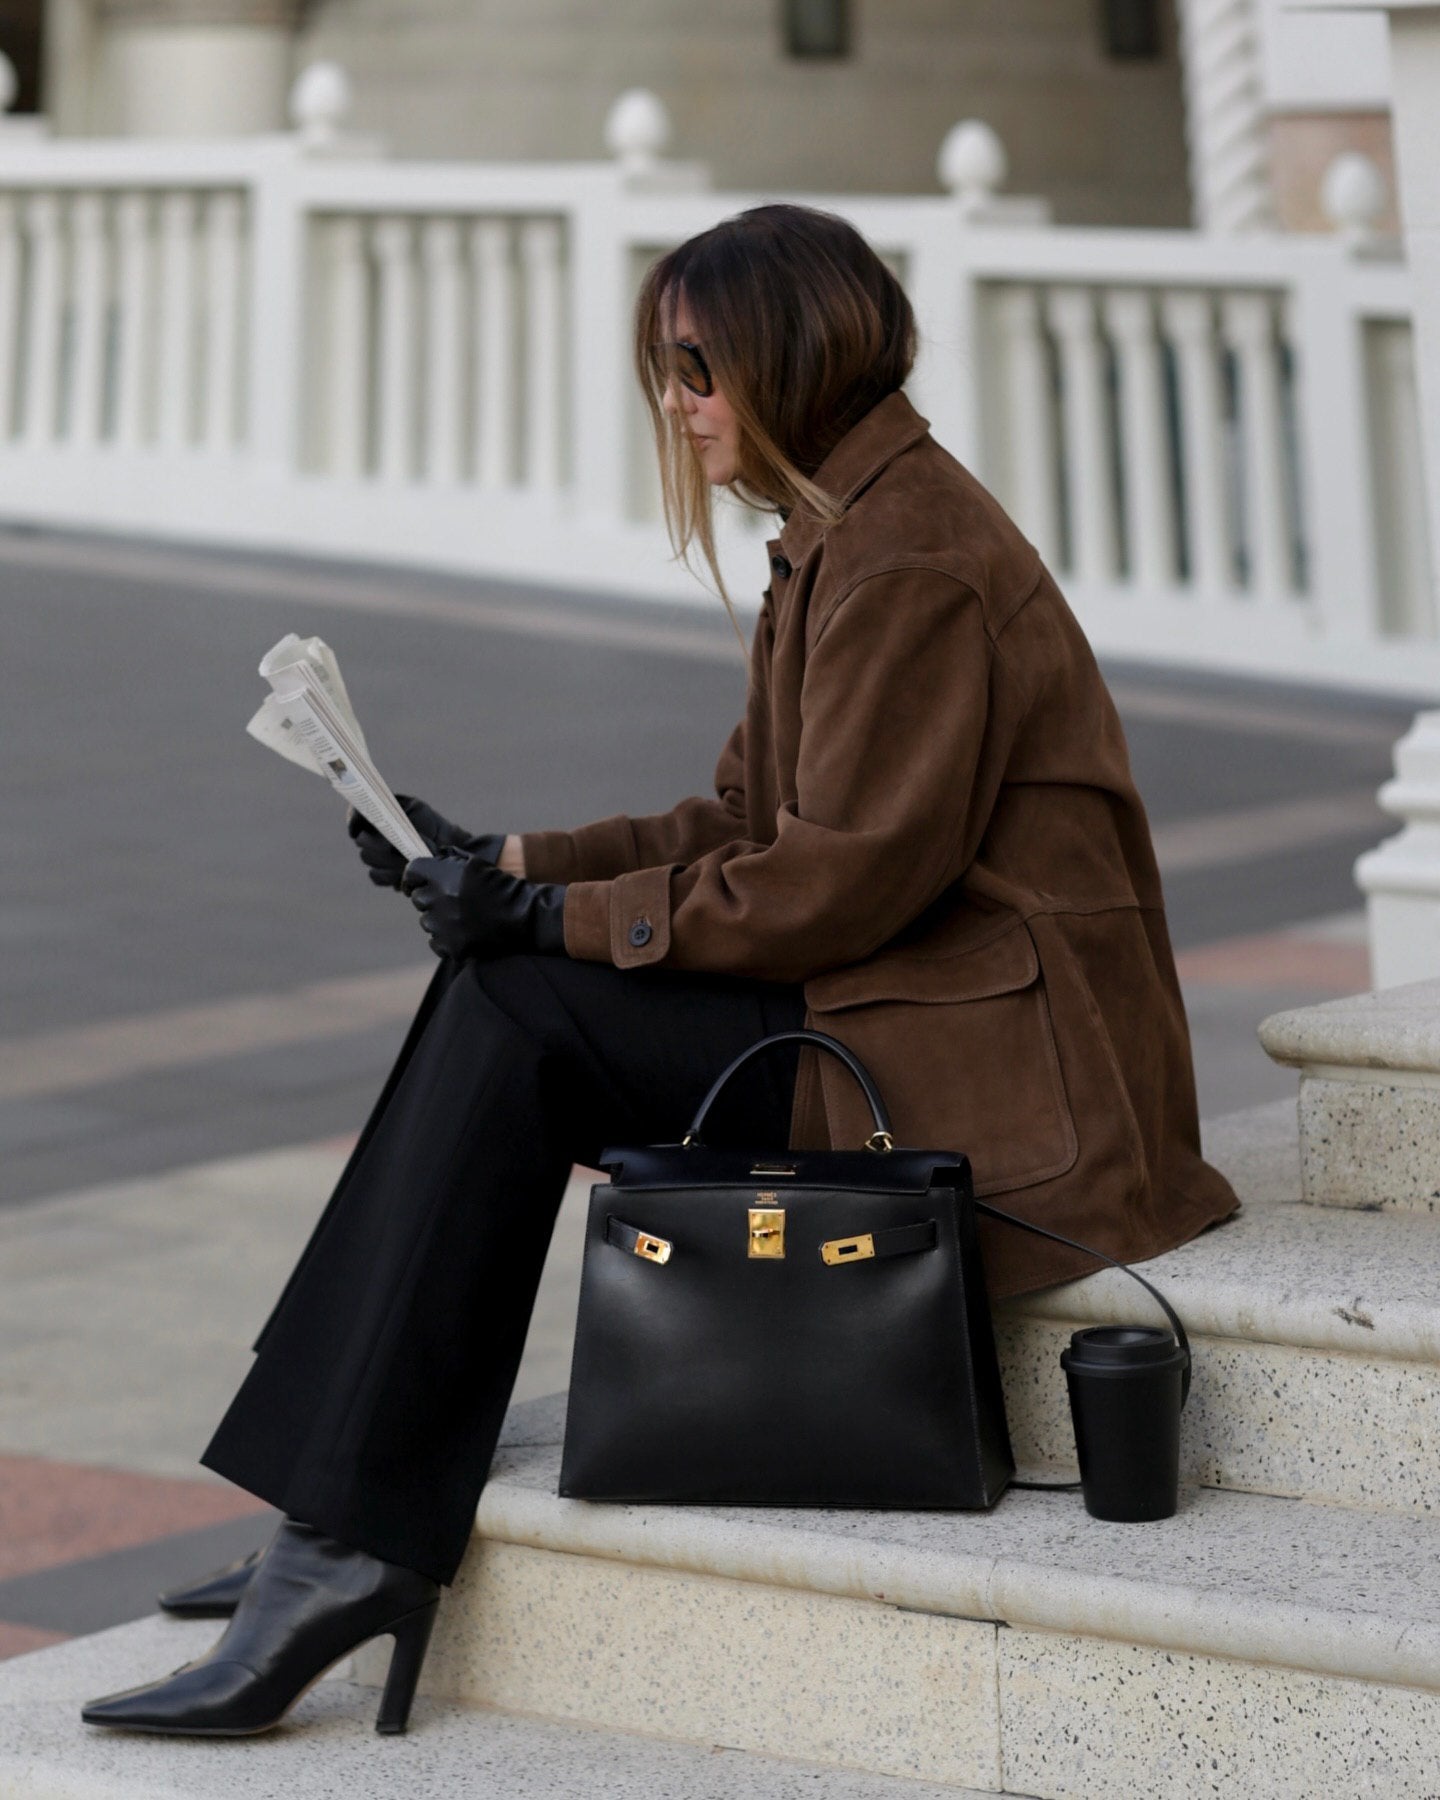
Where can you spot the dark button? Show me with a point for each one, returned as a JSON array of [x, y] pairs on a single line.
[[781, 565], [640, 934]]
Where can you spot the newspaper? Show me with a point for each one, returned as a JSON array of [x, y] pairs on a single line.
[[307, 717]]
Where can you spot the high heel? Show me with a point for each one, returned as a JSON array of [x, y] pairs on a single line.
[[310, 1602]]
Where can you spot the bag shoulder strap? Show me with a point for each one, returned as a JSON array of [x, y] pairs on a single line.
[[994, 1212]]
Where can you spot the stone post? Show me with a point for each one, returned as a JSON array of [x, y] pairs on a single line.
[[195, 68], [1401, 879], [1227, 124]]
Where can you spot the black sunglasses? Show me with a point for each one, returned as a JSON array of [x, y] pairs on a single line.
[[684, 361]]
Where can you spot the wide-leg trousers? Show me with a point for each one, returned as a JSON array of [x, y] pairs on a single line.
[[381, 1379]]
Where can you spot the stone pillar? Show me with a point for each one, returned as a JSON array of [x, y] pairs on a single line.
[[194, 68], [1226, 125]]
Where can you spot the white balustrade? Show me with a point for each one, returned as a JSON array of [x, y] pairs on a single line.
[[10, 297], [354, 355], [1190, 324], [397, 346], [89, 310], [44, 338], [495, 358], [1144, 443], [220, 389]]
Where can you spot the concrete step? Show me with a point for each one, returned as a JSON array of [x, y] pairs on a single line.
[[328, 1746], [1316, 1333], [1249, 1645], [1369, 1096]]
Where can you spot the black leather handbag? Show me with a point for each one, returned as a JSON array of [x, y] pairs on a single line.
[[802, 1328]]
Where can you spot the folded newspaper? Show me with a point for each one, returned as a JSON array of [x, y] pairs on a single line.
[[308, 717]]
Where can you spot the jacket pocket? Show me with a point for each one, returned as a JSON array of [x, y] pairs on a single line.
[[962, 1044]]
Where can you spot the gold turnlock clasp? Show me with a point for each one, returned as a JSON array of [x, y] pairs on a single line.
[[851, 1249], [653, 1249], [767, 1229]]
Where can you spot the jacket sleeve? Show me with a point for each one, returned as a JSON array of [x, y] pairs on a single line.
[[896, 718], [616, 845]]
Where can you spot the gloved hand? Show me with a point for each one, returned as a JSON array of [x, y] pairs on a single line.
[[385, 862], [468, 907]]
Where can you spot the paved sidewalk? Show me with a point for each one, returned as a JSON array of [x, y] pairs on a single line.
[[130, 1308]]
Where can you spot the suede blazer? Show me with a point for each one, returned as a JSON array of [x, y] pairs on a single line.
[[927, 817]]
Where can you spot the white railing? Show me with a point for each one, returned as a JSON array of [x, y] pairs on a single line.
[[1213, 440]]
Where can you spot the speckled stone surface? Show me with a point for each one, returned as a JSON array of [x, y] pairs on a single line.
[[774, 1669], [1261, 1418], [1370, 1144], [1094, 1721], [1397, 1028], [328, 1747], [1232, 1575]]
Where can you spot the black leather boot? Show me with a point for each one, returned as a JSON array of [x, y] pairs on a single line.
[[310, 1602], [214, 1596]]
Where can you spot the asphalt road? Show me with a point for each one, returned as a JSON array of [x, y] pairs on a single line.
[[160, 870]]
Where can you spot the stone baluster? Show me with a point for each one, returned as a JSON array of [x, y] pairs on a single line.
[[1029, 418], [1248, 322], [44, 338], [1144, 439], [83, 422], [224, 223], [1227, 119], [135, 276], [541, 247], [1093, 547], [10, 292], [444, 348], [1401, 877], [493, 412], [395, 338], [1190, 324], [347, 351], [176, 332]]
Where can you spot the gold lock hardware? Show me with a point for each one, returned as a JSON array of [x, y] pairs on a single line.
[[767, 1229], [851, 1249], [653, 1249]]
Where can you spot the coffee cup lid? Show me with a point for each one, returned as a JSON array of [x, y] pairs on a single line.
[[1121, 1346]]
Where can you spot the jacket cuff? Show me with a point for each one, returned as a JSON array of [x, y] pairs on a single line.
[[593, 852], [625, 922]]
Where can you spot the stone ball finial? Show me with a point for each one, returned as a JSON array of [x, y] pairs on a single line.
[[9, 83], [320, 101], [972, 161], [1353, 194], [637, 129]]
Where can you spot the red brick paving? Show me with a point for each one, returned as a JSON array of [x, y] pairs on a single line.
[[1279, 959], [18, 1640], [59, 1512]]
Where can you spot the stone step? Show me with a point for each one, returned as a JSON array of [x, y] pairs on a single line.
[[1369, 1096], [1316, 1333], [328, 1746], [1249, 1645]]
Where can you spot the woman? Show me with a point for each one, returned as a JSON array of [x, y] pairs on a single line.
[[924, 839]]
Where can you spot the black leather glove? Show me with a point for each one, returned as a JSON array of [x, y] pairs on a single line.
[[468, 907], [386, 864]]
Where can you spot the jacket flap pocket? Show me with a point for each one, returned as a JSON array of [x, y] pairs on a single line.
[[1003, 963]]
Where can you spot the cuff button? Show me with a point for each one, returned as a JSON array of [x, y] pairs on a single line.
[[640, 934]]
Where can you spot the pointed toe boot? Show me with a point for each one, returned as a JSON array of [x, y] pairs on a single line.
[[310, 1602], [214, 1596]]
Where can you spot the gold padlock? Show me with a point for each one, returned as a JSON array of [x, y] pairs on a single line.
[[767, 1229]]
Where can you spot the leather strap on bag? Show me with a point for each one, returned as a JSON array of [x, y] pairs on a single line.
[[994, 1212]]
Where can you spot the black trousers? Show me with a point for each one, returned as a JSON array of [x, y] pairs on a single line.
[[381, 1380]]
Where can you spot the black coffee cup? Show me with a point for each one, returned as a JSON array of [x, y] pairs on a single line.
[[1125, 1386]]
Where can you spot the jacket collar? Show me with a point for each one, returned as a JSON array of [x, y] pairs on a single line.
[[878, 438]]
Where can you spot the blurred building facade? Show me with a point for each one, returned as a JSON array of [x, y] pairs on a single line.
[[1094, 99]]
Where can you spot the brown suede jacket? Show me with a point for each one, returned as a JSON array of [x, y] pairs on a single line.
[[927, 817]]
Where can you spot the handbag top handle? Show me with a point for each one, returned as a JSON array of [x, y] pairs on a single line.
[[879, 1139]]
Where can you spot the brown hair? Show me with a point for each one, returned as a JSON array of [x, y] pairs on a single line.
[[804, 329]]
